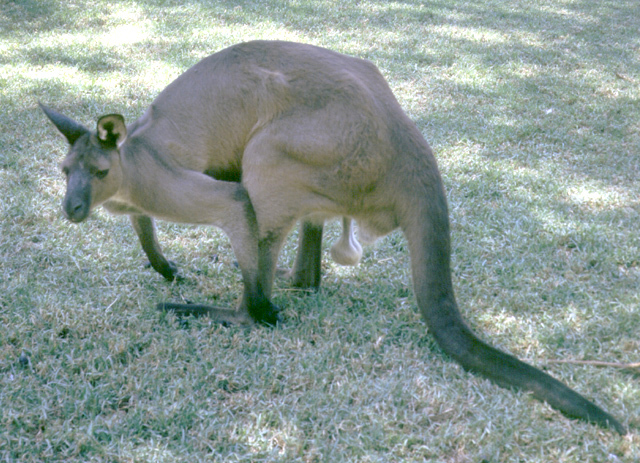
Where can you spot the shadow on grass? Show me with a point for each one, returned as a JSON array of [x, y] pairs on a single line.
[[27, 15]]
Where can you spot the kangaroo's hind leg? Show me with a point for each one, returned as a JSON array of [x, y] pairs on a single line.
[[306, 272]]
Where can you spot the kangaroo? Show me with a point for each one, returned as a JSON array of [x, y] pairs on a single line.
[[263, 134]]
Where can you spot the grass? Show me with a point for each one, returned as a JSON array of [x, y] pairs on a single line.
[[532, 109]]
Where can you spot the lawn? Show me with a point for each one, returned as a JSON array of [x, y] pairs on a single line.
[[533, 111]]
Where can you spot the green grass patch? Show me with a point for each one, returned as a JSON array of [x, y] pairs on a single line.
[[533, 109]]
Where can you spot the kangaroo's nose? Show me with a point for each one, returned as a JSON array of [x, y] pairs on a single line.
[[75, 210]]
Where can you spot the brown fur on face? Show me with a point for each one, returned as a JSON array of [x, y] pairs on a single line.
[[93, 176], [311, 134]]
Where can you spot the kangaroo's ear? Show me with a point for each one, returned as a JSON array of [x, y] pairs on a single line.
[[112, 130], [71, 129]]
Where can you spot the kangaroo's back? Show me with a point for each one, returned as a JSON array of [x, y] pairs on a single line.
[[215, 107]]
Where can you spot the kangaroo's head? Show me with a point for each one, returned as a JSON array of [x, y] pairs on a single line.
[[92, 165]]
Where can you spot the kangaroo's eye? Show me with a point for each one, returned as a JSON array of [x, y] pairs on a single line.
[[100, 174]]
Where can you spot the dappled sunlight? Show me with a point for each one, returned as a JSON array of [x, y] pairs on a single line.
[[262, 435], [478, 34], [556, 198], [342, 272], [92, 69], [240, 33], [152, 451], [597, 197], [133, 27], [125, 34], [155, 75], [53, 72]]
